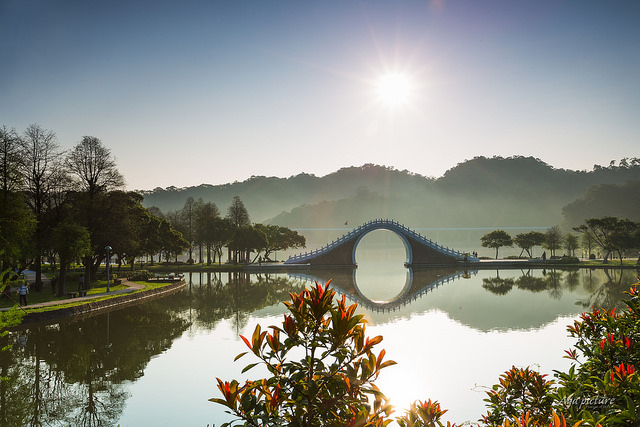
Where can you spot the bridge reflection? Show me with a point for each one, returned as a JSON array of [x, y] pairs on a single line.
[[419, 282]]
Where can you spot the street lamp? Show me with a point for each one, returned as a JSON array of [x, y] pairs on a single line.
[[108, 249]]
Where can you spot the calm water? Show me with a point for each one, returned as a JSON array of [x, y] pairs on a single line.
[[451, 332]]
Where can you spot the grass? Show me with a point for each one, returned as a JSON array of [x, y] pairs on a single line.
[[97, 287]]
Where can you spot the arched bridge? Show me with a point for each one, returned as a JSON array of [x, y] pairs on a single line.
[[419, 283], [420, 250]]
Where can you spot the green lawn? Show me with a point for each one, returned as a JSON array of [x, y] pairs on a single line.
[[34, 297]]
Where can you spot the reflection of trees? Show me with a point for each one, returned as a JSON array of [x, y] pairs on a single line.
[[71, 373], [497, 285], [608, 292], [213, 301], [604, 291]]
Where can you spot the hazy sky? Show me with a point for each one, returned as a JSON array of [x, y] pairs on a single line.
[[191, 92]]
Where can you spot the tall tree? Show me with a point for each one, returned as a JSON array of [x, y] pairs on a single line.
[[10, 162], [553, 239], [94, 171], [571, 243], [496, 239], [188, 220], [206, 226], [239, 217], [93, 167], [71, 241], [237, 213], [42, 171], [16, 222]]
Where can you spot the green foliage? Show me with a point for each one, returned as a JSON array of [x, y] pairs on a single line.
[[332, 384], [527, 241], [605, 386], [496, 239], [612, 234], [553, 239], [520, 391]]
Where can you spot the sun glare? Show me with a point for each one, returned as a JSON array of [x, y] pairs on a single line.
[[394, 89]]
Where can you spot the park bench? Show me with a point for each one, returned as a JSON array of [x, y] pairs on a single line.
[[72, 294]]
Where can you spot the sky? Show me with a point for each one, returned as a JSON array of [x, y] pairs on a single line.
[[196, 92]]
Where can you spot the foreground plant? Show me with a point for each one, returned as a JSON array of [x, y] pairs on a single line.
[[332, 383]]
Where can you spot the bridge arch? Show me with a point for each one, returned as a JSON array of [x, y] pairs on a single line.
[[421, 250], [403, 238]]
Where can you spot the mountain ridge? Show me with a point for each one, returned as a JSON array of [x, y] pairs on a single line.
[[478, 192]]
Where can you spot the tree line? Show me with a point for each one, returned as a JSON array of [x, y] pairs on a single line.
[[208, 233], [62, 206], [611, 235]]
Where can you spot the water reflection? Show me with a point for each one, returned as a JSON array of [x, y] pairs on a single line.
[[73, 372], [82, 372]]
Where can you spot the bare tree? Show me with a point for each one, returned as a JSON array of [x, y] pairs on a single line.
[[93, 167], [41, 165], [10, 162], [94, 172]]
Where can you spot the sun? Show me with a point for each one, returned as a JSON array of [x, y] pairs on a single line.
[[394, 89]]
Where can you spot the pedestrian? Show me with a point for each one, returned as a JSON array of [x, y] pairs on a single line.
[[544, 255], [23, 290]]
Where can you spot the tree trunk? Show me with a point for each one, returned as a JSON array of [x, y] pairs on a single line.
[[62, 289]]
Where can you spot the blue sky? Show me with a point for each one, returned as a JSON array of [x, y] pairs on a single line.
[[192, 92]]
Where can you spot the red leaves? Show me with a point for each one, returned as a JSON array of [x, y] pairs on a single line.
[[622, 372]]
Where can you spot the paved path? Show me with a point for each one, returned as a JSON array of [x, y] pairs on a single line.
[[132, 287]]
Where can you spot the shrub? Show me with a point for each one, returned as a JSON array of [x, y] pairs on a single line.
[[331, 385]]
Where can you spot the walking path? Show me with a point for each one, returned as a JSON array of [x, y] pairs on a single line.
[[132, 288]]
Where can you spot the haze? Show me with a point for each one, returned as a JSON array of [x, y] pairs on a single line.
[[194, 92]]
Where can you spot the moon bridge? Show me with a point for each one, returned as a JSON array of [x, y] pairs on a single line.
[[419, 249]]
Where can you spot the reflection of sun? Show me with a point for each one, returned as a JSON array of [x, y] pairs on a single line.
[[394, 89]]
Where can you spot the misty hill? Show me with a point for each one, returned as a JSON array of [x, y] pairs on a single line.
[[266, 197], [482, 192]]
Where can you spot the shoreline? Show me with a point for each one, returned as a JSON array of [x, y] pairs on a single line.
[[95, 304]]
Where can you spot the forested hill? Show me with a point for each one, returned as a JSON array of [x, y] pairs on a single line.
[[515, 191], [266, 197]]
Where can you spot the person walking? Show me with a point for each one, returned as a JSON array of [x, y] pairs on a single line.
[[23, 290]]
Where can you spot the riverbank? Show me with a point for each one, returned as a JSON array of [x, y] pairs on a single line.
[[134, 293], [483, 263]]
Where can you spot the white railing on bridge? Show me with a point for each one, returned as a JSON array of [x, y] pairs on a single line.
[[373, 224]]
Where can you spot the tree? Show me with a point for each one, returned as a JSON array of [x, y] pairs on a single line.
[[207, 228], [612, 234], [588, 242], [11, 179], [527, 241], [93, 167], [331, 383], [222, 232], [571, 243], [280, 239], [94, 173], [188, 216], [237, 213], [496, 239], [247, 239], [42, 171], [553, 239], [239, 217], [70, 241]]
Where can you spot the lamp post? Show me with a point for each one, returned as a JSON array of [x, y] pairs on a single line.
[[108, 249]]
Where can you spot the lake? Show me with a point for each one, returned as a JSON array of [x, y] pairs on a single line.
[[452, 333]]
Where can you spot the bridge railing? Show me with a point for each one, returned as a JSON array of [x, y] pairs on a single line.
[[299, 258]]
